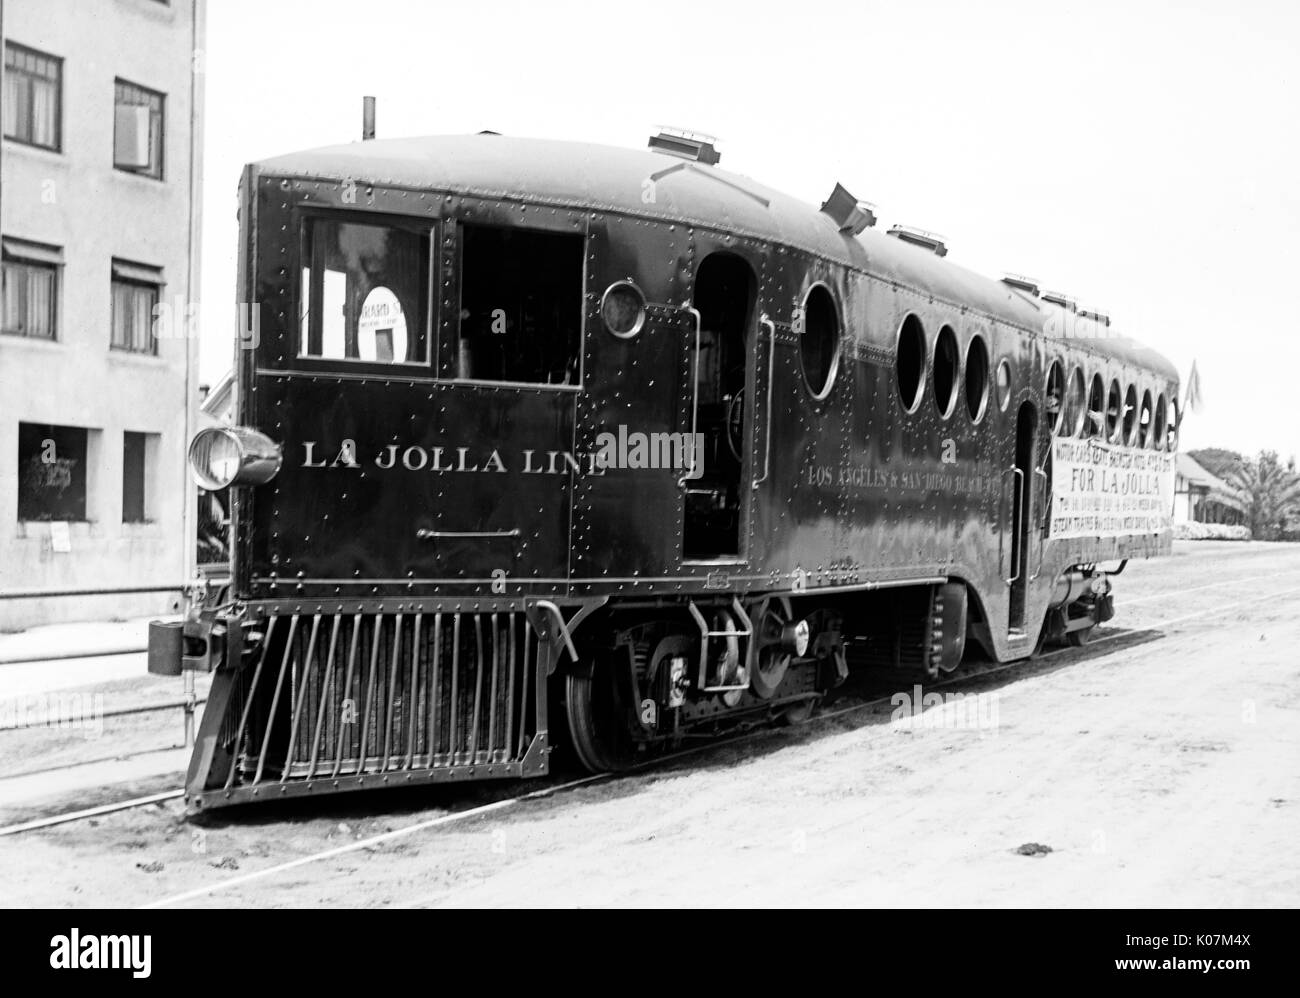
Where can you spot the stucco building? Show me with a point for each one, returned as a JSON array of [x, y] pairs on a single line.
[[99, 216]]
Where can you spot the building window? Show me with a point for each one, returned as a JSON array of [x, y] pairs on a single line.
[[137, 451], [29, 286], [1054, 403], [909, 362], [51, 472], [138, 130], [365, 292], [520, 306], [33, 97], [1130, 416], [945, 371], [1004, 384], [977, 379], [1075, 405], [1114, 411], [819, 341], [136, 289]]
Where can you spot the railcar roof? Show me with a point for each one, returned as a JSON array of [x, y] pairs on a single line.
[[613, 179]]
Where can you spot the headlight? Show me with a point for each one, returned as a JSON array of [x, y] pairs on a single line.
[[233, 455]]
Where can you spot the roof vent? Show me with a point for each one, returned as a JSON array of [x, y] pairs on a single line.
[[1021, 283], [1064, 300], [1101, 318], [920, 237], [694, 146], [846, 211]]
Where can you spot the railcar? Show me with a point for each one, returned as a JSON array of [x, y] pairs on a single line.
[[539, 441]]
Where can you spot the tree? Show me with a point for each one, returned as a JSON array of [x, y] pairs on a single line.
[[1270, 493]]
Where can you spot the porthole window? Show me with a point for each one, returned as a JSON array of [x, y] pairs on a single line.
[[1004, 385], [910, 362], [1054, 407], [1130, 416], [1094, 419], [622, 309], [977, 379], [1074, 405], [1171, 430], [1114, 410], [947, 362], [1144, 420], [819, 341]]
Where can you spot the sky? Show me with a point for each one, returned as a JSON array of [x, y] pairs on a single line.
[[1141, 156]]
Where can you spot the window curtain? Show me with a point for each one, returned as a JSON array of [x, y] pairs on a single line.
[[40, 302], [45, 102]]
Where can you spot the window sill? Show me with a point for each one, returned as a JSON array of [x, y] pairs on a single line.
[[131, 357], [30, 342], [39, 530], [164, 11], [148, 178], [13, 143]]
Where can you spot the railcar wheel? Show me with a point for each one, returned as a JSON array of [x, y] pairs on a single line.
[[1079, 638], [798, 713], [598, 715], [777, 636]]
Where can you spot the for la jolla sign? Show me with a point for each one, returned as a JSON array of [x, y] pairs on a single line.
[[1105, 490]]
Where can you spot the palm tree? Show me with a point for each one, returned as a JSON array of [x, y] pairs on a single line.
[[1270, 494]]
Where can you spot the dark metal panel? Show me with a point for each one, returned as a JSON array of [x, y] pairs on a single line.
[[626, 521]]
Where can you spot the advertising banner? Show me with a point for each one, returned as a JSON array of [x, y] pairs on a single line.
[[1105, 490]]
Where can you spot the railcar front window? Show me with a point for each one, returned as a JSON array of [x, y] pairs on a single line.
[[364, 294], [520, 306]]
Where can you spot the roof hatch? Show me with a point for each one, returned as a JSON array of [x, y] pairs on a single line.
[[920, 237], [846, 211], [1021, 283], [1062, 299], [694, 146]]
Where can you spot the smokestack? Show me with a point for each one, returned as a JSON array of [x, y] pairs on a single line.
[[367, 118]]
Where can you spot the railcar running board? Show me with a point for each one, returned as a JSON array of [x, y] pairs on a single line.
[[325, 703]]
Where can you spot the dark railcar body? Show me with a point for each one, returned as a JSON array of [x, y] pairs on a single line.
[[436, 544]]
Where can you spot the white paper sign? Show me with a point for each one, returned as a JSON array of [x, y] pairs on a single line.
[[381, 329], [60, 537], [1105, 490]]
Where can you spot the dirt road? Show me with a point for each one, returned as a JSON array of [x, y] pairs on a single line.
[[1162, 769]]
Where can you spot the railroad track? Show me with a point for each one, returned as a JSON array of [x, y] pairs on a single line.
[[753, 730], [881, 696]]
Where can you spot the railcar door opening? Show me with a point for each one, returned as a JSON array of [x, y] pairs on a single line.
[[724, 297], [1022, 486]]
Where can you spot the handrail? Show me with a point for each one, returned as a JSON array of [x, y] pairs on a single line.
[[106, 591], [1017, 541], [425, 534], [545, 604], [695, 398], [767, 396], [1042, 530]]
